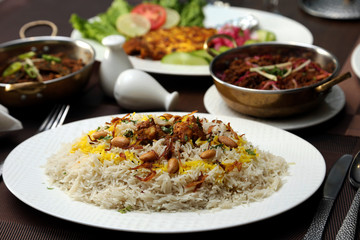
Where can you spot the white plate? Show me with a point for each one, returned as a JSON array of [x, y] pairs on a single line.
[[355, 61], [25, 178], [332, 105], [285, 29]]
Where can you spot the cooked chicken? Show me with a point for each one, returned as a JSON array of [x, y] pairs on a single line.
[[156, 44]]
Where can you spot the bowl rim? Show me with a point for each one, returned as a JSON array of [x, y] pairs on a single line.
[[281, 44], [77, 42]]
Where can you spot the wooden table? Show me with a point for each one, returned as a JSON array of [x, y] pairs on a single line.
[[332, 138]]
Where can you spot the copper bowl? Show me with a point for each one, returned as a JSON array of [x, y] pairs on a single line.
[[27, 94], [276, 103]]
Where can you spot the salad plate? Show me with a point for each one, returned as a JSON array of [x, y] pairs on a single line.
[[285, 29], [332, 105], [24, 175]]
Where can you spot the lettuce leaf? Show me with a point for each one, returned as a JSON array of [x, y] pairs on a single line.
[[104, 25], [96, 30], [192, 13], [116, 9]]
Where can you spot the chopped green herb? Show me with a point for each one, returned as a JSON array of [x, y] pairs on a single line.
[[250, 151], [108, 137], [275, 71], [125, 209], [129, 133], [198, 122], [168, 129], [217, 146], [50, 188]]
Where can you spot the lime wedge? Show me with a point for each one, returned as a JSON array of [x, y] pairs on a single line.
[[132, 24]]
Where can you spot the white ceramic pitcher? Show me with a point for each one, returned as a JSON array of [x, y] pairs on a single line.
[[115, 62]]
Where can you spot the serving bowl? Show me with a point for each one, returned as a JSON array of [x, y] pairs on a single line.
[[32, 93], [276, 103]]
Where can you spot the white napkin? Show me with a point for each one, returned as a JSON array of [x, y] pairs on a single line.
[[7, 122]]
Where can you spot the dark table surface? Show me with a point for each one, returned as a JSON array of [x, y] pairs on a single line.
[[333, 138]]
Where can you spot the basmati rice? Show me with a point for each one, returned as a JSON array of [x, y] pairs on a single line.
[[97, 172]]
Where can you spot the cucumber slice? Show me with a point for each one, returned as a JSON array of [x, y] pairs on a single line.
[[203, 54], [265, 36], [172, 18], [132, 24], [182, 58]]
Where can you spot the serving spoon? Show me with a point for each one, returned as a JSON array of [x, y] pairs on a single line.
[[348, 227]]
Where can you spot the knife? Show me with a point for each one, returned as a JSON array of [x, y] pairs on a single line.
[[332, 186]]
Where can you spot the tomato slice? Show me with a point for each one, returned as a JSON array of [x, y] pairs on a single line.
[[156, 14]]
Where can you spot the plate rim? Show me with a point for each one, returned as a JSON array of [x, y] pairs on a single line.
[[284, 126], [355, 60]]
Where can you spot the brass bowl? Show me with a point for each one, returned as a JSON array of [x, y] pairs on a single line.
[[28, 94], [276, 103]]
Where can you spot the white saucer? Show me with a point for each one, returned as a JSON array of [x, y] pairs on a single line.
[[332, 105], [355, 61]]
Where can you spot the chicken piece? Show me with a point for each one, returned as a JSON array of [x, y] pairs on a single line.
[[156, 44], [190, 129], [147, 131]]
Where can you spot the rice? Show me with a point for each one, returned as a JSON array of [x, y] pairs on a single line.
[[96, 171]]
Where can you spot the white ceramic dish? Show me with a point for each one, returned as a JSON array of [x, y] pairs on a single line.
[[285, 29], [24, 177], [355, 61], [332, 105]]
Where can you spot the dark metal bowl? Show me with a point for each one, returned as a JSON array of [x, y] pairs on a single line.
[[276, 103], [21, 95]]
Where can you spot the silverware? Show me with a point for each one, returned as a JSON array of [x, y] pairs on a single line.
[[54, 119], [348, 227], [333, 184]]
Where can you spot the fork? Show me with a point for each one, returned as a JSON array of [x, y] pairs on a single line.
[[54, 119]]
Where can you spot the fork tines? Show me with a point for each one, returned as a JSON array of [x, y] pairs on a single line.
[[55, 118]]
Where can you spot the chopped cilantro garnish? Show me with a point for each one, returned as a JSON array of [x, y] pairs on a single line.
[[217, 146], [168, 129], [275, 71], [108, 137], [198, 122], [250, 151], [125, 209], [129, 134]]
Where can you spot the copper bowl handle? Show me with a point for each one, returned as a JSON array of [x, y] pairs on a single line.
[[332, 82], [206, 43], [37, 23], [25, 87]]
